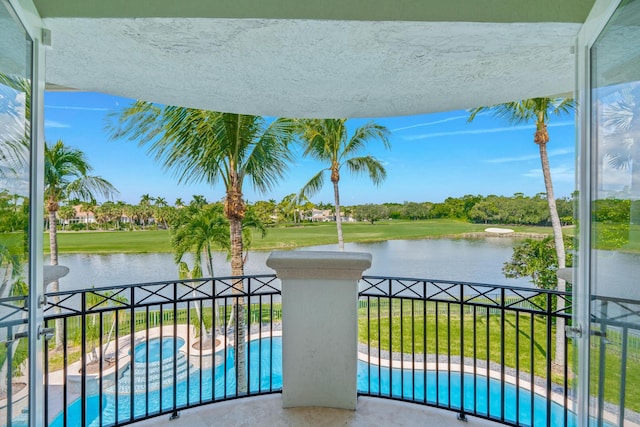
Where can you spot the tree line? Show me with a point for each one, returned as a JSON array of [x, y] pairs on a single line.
[[515, 210], [156, 213]]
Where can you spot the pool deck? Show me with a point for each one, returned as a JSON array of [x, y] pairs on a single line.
[[268, 411]]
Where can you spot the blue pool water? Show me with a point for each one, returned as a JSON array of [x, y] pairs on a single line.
[[155, 344], [218, 382]]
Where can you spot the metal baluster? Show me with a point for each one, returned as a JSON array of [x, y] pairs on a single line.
[[174, 413], [462, 415]]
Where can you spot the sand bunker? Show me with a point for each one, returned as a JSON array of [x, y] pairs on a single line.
[[498, 230]]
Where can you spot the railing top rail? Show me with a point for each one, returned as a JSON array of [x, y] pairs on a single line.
[[160, 283], [470, 284], [614, 299]]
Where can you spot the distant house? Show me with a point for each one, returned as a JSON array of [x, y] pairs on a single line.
[[83, 217], [318, 215], [326, 215]]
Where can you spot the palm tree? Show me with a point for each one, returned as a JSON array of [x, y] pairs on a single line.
[[11, 254], [198, 200], [185, 273], [294, 205], [145, 208], [15, 285], [67, 213], [539, 110], [89, 207], [131, 212], [327, 141], [160, 212], [209, 146], [66, 176], [621, 138], [14, 138], [199, 232]]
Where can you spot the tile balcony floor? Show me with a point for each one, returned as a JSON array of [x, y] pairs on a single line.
[[268, 411]]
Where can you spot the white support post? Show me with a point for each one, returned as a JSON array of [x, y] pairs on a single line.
[[319, 326]]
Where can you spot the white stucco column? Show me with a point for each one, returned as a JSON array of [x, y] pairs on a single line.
[[319, 326]]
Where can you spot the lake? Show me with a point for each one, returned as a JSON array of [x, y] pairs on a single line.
[[470, 260], [467, 260]]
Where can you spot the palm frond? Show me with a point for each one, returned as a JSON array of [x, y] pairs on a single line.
[[364, 134], [314, 185], [526, 110], [201, 229], [270, 155], [619, 115], [66, 175], [370, 165], [560, 106]]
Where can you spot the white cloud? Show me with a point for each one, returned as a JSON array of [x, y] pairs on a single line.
[[480, 131], [450, 119], [552, 153], [616, 179], [67, 107], [54, 124], [558, 174]]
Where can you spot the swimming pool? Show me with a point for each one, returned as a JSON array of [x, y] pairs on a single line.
[[266, 374], [408, 385], [154, 345]]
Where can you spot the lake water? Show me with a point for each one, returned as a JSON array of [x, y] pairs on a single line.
[[470, 260]]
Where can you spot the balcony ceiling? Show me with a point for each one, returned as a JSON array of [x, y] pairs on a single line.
[[335, 58]]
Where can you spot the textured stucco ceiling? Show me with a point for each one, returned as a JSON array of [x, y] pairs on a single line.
[[312, 68]]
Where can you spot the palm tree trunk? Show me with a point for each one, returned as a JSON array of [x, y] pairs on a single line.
[[237, 270], [103, 352], [6, 281], [560, 253], [12, 346], [336, 195], [55, 286]]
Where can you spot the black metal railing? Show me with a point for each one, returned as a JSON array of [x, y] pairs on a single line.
[[478, 349], [132, 352], [13, 352], [120, 354], [615, 357]]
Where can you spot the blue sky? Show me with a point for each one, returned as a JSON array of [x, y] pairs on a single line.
[[432, 157]]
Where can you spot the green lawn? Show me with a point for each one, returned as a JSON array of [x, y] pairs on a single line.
[[409, 330], [280, 237], [436, 334], [112, 242]]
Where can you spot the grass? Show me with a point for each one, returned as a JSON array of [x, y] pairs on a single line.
[[112, 242], [414, 327], [437, 333], [288, 236], [281, 237]]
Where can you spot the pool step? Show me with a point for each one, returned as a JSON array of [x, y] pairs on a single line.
[[152, 376]]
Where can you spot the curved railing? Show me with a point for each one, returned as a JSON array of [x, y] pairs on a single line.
[[131, 352], [479, 349], [473, 348]]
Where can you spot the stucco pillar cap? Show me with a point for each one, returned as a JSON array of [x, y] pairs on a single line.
[[319, 264], [565, 274]]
